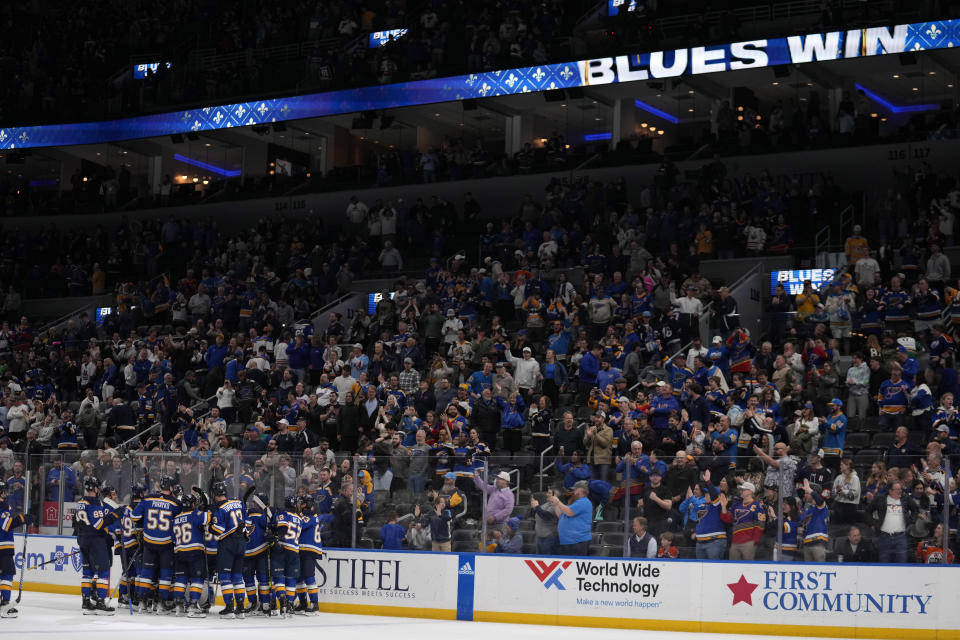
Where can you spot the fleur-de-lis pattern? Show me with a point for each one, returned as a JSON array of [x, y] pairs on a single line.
[[921, 36], [941, 34]]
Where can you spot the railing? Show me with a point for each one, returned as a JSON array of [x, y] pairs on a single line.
[[149, 431], [545, 467], [55, 481]]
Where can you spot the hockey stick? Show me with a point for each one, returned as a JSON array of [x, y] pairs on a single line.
[[125, 568], [57, 558], [26, 534]]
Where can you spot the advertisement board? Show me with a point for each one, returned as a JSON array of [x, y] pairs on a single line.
[[617, 7], [793, 599], [792, 280], [140, 71], [61, 573], [383, 38], [375, 582], [724, 597], [374, 298]]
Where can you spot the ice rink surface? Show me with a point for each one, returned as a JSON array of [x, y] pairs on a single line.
[[43, 614]]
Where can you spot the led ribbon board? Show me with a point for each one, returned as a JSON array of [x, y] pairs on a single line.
[[751, 54], [793, 280]]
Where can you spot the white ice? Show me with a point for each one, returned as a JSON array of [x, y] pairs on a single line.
[[44, 614]]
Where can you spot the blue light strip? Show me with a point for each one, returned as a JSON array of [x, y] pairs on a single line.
[[593, 137], [649, 108], [642, 67], [226, 173], [910, 108]]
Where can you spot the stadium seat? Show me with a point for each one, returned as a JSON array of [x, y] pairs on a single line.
[[882, 440], [869, 423], [917, 438], [460, 535], [612, 539], [584, 413], [857, 441], [465, 546], [866, 457], [236, 429], [598, 550], [605, 526]]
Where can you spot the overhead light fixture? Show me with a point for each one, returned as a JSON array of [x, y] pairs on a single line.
[[660, 132], [205, 181]]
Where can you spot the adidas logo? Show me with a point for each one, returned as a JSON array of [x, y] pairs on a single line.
[[466, 569]]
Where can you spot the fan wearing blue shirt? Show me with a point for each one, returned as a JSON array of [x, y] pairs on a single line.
[[392, 534]]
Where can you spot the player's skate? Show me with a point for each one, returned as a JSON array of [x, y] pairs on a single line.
[[101, 609], [228, 613], [194, 611], [88, 608], [313, 609]]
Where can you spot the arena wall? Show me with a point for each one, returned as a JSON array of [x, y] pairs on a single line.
[[793, 599]]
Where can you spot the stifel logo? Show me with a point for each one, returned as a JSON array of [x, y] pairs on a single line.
[[549, 572]]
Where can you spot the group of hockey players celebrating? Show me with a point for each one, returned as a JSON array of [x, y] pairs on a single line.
[[176, 549]]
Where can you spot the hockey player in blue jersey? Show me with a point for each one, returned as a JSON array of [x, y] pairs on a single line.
[[285, 558], [210, 541], [92, 521], [256, 561], [229, 528], [189, 527], [8, 522], [154, 516], [311, 550], [130, 548]]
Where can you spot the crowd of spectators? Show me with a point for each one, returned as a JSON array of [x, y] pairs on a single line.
[[561, 343]]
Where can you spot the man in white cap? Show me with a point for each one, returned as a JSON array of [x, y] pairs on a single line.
[[526, 371], [359, 362], [499, 501], [749, 520]]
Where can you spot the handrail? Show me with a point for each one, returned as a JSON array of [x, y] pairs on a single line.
[[206, 403], [545, 468], [325, 308]]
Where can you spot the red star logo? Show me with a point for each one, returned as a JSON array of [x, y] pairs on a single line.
[[742, 590]]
